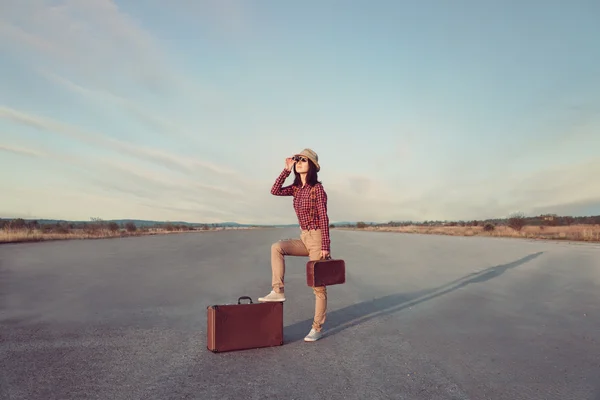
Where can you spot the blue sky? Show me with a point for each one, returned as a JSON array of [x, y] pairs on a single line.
[[418, 109]]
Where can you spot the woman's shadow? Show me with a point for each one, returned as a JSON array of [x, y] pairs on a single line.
[[359, 313]]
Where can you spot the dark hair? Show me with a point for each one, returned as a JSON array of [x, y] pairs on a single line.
[[311, 175]]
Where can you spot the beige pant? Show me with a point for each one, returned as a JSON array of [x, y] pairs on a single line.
[[309, 245]]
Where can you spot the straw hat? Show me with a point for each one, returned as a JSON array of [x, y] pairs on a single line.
[[311, 155]]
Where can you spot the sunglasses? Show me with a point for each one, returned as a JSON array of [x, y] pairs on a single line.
[[303, 159]]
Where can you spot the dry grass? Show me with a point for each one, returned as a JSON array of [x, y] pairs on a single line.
[[36, 235], [588, 233]]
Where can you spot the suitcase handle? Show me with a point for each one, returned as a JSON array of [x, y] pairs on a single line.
[[244, 297]]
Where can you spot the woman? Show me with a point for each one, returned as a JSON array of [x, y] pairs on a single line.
[[310, 204]]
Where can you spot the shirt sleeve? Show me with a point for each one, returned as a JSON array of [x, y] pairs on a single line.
[[277, 188], [323, 217]]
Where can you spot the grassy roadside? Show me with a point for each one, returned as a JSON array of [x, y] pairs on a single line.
[[37, 235], [584, 232]]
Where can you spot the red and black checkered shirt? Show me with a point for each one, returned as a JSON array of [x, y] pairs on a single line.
[[310, 207]]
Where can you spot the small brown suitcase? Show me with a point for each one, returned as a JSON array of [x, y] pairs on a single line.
[[244, 326], [325, 272]]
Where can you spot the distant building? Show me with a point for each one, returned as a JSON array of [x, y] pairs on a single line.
[[549, 217]]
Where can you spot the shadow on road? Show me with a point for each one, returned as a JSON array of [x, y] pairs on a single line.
[[356, 314]]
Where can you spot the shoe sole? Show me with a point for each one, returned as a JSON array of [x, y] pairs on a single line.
[[311, 340], [271, 301]]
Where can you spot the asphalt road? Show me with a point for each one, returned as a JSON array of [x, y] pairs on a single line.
[[420, 317]]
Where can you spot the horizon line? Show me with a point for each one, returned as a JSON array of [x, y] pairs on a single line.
[[294, 224]]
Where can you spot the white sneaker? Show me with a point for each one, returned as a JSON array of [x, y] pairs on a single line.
[[273, 296], [313, 336]]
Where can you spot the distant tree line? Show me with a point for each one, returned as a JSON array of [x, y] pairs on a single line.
[[515, 221], [97, 225]]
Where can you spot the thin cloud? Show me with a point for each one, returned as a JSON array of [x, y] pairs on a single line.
[[500, 194], [589, 206], [65, 203], [560, 189], [149, 118], [574, 124], [19, 35], [169, 160], [231, 19], [232, 15], [129, 179], [92, 39], [167, 181], [193, 211], [20, 151], [128, 187]]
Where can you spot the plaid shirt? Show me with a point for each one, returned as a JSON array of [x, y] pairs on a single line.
[[310, 207]]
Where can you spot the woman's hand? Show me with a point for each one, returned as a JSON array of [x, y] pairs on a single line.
[[289, 163], [324, 254]]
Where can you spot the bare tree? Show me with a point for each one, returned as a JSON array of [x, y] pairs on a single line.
[[517, 221]]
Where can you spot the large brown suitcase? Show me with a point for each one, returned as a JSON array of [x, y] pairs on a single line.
[[325, 272], [244, 326]]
